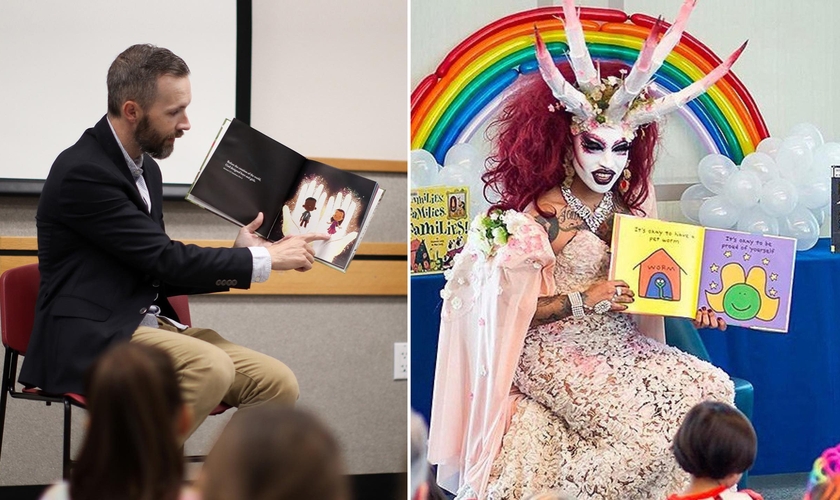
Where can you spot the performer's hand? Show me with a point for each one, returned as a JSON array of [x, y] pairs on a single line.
[[617, 292], [248, 238], [706, 318], [294, 252]]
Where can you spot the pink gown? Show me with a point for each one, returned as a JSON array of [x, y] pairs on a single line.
[[588, 406]]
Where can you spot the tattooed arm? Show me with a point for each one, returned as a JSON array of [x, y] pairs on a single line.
[[551, 309], [551, 226]]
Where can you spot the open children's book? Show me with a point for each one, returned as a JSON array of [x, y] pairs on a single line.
[[247, 172], [674, 269]]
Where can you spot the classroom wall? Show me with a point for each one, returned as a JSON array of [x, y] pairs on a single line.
[[341, 348]]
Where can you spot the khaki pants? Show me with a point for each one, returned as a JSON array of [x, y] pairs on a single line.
[[211, 369]]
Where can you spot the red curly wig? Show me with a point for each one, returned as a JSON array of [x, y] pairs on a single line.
[[531, 143]]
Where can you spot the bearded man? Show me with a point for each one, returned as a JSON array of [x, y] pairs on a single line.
[[107, 265]]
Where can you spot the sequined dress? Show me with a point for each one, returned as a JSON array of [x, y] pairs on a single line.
[[602, 401]]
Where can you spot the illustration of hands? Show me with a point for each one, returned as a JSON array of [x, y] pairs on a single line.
[[340, 238], [292, 219]]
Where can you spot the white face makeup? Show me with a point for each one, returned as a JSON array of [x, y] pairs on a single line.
[[600, 157]]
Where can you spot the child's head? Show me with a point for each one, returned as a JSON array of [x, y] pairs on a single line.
[[339, 215], [309, 204], [824, 481], [137, 421], [277, 452], [828, 490], [715, 441]]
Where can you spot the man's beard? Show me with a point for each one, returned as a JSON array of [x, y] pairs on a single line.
[[153, 142]]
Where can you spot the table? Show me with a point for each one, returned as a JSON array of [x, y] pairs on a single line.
[[796, 375]]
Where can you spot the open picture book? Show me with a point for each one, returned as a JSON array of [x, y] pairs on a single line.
[[247, 172], [674, 269]]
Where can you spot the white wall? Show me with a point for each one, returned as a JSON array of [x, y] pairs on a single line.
[[55, 55], [330, 77]]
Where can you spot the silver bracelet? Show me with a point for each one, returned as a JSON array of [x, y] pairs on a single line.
[[577, 304]]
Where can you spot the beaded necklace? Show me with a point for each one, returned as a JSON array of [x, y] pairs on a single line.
[[592, 219]]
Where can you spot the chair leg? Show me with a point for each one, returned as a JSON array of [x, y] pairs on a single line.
[[7, 366], [65, 463]]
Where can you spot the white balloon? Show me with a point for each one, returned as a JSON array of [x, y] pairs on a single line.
[[815, 194], [812, 135], [820, 214], [757, 221], [762, 164], [779, 197], [802, 225], [794, 158], [455, 175], [718, 212], [769, 146], [463, 154], [424, 169], [743, 188], [691, 200], [714, 170], [825, 157]]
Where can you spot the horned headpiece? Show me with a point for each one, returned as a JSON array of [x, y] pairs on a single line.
[[628, 105]]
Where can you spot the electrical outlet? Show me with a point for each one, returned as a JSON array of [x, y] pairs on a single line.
[[400, 361]]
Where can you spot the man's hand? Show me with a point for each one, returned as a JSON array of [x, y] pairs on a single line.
[[248, 238], [295, 252]]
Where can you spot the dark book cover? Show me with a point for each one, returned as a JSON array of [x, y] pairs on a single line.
[[247, 172]]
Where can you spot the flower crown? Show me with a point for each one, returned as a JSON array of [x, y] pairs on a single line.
[[599, 98], [613, 101]]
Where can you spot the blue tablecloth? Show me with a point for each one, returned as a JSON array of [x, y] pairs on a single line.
[[425, 323], [796, 375]]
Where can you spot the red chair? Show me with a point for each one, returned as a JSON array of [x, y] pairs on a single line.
[[18, 293]]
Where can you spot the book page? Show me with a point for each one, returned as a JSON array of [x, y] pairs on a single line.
[[327, 200], [660, 261], [748, 279], [246, 172]]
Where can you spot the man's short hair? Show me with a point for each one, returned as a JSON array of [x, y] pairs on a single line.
[[714, 441], [419, 462], [133, 75]]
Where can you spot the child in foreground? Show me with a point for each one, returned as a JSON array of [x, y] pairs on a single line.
[[824, 482], [716, 444]]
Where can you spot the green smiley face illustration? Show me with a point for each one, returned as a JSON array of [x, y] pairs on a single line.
[[741, 302]]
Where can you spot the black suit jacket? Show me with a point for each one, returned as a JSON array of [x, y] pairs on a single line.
[[104, 259]]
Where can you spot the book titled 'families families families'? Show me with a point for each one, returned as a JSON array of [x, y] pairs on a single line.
[[247, 172], [439, 226], [674, 269]]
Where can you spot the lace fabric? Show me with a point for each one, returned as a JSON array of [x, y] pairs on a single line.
[[602, 401]]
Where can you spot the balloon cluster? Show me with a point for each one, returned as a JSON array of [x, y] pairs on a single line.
[[463, 165], [783, 188]]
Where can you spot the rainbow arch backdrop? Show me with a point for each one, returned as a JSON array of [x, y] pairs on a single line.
[[471, 82]]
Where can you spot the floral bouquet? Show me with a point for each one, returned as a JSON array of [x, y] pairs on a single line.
[[494, 230]]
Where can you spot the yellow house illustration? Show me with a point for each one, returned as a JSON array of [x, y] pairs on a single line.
[[660, 276]]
